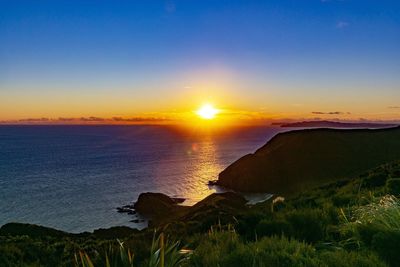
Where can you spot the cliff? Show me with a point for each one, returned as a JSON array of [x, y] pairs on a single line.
[[298, 160]]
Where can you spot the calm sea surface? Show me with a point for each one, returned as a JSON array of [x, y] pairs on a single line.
[[73, 177]]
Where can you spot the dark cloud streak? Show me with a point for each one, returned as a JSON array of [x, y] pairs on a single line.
[[90, 120], [330, 113]]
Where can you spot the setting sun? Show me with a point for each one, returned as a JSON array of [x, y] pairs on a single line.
[[207, 112]]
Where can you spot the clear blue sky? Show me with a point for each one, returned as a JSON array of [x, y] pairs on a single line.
[[120, 58]]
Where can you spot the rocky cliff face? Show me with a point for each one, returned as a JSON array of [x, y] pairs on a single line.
[[298, 160]]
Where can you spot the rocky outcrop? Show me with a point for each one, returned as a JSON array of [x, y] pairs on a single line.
[[298, 160], [215, 207], [160, 208], [130, 209]]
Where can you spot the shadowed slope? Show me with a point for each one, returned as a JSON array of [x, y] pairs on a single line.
[[301, 159]]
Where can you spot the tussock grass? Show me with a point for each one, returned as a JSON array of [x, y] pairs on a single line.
[[164, 253], [383, 214]]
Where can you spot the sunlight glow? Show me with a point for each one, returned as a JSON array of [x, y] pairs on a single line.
[[207, 112]]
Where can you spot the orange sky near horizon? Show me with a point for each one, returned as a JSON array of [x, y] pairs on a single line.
[[139, 63], [75, 112], [179, 108], [177, 104]]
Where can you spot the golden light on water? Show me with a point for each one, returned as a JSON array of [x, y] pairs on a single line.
[[207, 112], [189, 176], [204, 166]]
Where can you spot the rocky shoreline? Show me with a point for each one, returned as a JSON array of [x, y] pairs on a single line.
[[158, 209]]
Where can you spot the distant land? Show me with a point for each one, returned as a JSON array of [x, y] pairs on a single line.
[[299, 160], [335, 124]]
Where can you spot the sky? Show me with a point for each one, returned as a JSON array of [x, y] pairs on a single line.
[[160, 60]]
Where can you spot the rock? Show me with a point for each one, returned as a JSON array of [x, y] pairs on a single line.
[[156, 205], [226, 201], [212, 183], [123, 210], [178, 200], [160, 209], [217, 207], [130, 209], [137, 221]]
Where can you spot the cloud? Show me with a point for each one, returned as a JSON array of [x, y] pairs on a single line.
[[330, 113], [34, 120], [342, 24], [394, 107], [140, 119], [91, 120]]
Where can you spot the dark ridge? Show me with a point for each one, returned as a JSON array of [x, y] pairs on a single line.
[[301, 159], [336, 124], [32, 230]]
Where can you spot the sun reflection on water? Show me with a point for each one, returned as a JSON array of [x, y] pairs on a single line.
[[189, 176], [206, 168]]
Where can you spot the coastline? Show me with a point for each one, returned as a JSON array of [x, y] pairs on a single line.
[[73, 178], [141, 221]]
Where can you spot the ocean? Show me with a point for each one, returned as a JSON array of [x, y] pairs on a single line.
[[73, 178]]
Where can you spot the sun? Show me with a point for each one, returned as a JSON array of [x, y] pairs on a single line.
[[207, 112]]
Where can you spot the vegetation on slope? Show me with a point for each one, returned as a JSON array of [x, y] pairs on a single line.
[[299, 160]]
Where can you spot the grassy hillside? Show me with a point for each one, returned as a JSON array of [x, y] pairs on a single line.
[[302, 159]]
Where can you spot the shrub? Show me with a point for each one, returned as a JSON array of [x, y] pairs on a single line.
[[270, 227], [384, 215], [342, 199], [25, 251], [163, 254], [247, 223], [308, 224], [226, 250], [215, 248], [386, 244], [277, 251], [365, 233], [375, 179], [377, 225], [342, 258], [393, 186]]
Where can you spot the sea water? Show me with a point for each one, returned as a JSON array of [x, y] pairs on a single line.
[[74, 177]]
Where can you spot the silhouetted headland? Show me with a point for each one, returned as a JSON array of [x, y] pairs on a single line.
[[301, 159], [336, 124]]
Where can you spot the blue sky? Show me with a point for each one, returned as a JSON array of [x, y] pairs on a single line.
[[287, 58]]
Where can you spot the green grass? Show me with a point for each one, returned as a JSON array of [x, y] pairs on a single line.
[[226, 249], [376, 226]]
